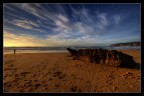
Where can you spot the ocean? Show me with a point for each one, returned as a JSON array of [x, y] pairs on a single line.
[[10, 50]]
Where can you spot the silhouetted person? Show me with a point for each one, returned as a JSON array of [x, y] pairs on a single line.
[[14, 51]]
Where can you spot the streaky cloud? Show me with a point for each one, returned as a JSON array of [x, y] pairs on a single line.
[[70, 24]]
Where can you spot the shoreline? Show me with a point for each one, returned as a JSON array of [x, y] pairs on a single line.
[[58, 72], [54, 51], [33, 51]]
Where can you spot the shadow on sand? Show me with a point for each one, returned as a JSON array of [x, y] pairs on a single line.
[[136, 66]]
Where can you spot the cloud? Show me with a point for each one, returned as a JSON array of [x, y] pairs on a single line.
[[83, 15], [60, 21], [117, 19], [56, 25], [8, 6], [21, 40], [102, 21], [22, 37], [13, 15], [61, 26], [29, 40], [63, 18], [38, 11], [25, 23]]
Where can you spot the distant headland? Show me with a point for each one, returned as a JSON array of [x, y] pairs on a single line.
[[127, 44]]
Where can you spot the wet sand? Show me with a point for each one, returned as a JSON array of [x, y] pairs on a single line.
[[58, 72]]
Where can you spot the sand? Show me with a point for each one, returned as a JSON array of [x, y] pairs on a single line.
[[58, 72]]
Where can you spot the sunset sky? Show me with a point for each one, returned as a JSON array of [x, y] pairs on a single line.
[[37, 24]]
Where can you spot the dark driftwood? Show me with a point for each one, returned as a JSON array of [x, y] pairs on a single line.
[[103, 56]]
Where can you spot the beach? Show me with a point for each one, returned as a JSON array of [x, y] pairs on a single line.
[[58, 72]]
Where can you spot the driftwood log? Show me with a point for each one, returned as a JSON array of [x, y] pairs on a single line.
[[103, 56]]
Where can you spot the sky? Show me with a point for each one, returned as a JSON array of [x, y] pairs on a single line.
[[36, 24]]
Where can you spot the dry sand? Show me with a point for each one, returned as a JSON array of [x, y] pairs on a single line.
[[57, 72]]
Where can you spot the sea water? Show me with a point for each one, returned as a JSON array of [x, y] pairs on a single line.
[[10, 50]]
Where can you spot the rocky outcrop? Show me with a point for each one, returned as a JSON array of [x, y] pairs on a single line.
[[103, 56]]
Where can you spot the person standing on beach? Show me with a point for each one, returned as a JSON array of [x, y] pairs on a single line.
[[14, 51]]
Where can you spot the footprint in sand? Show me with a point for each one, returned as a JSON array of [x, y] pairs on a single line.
[[114, 88], [57, 90], [127, 75], [16, 75], [35, 80], [24, 73], [37, 85], [57, 85], [50, 79], [59, 74], [75, 89], [11, 65], [88, 85], [10, 69]]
